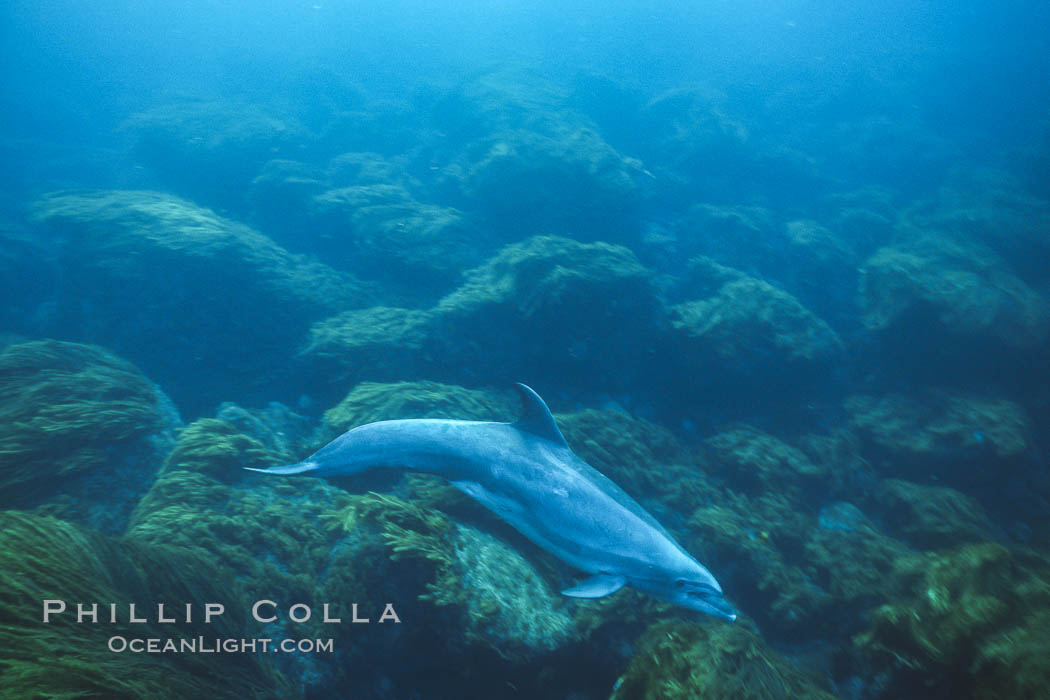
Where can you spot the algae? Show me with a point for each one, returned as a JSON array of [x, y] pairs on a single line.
[[940, 422], [369, 402], [965, 290], [970, 621], [747, 320], [42, 558], [676, 660], [495, 597], [76, 419]]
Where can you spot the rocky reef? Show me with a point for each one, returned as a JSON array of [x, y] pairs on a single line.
[[72, 654], [805, 330], [81, 432], [173, 254]]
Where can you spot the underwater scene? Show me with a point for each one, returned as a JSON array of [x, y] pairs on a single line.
[[686, 350]]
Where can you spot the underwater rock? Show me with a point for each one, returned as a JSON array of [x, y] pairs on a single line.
[[564, 180], [42, 558], [517, 153], [748, 239], [973, 624], [932, 517], [704, 144], [802, 578], [680, 661], [274, 537], [865, 218], [582, 309], [761, 542], [801, 257], [279, 200], [748, 325], [82, 432], [365, 168], [377, 344], [756, 463], [690, 130], [954, 290], [367, 215], [209, 292], [210, 151], [993, 206], [939, 431], [387, 234], [281, 430], [822, 267], [848, 556], [494, 599], [369, 402]]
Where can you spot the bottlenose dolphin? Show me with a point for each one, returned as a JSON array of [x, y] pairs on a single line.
[[525, 473]]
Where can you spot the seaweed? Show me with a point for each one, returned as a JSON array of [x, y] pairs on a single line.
[[713, 660], [81, 431], [498, 599], [971, 620], [42, 558]]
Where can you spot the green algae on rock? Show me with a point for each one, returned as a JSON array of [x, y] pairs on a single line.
[[974, 621], [932, 517], [175, 254], [550, 175], [215, 448], [369, 402], [266, 532], [755, 462], [746, 320], [965, 291], [495, 595], [42, 558], [407, 243], [271, 536], [552, 300], [377, 344], [210, 149], [82, 431], [681, 661], [763, 539], [939, 430], [551, 279]]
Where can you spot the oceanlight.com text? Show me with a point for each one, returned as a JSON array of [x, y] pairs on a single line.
[[216, 645]]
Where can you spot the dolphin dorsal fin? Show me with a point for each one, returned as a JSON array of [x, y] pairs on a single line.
[[536, 418]]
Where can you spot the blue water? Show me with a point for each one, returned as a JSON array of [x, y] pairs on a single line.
[[781, 269]]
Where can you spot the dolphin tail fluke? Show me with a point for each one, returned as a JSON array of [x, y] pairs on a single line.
[[299, 468]]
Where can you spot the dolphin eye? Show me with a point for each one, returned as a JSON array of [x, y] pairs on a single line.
[[679, 583]]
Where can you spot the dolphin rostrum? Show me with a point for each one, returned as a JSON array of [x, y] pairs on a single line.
[[525, 473]]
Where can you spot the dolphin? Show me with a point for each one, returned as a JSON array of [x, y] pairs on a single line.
[[525, 473]]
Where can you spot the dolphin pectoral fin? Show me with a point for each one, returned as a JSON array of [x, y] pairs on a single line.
[[300, 468], [597, 586], [536, 418]]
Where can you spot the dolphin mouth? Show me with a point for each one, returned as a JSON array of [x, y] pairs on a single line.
[[718, 606]]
